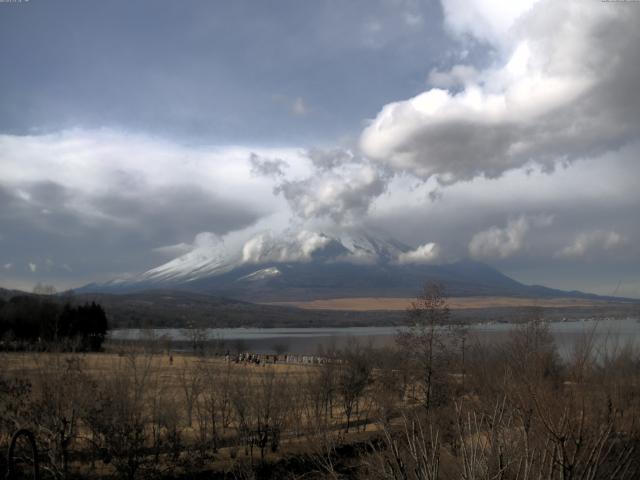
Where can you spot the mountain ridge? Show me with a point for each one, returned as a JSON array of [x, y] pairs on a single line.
[[307, 265]]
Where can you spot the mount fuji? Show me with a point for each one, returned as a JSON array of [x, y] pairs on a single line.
[[309, 265]]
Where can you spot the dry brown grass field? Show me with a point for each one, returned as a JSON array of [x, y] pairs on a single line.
[[363, 304], [165, 393], [432, 408]]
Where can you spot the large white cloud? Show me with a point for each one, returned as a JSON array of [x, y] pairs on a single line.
[[108, 201], [496, 242], [427, 253], [490, 21], [299, 247], [566, 89], [499, 242], [588, 243], [340, 187], [111, 161]]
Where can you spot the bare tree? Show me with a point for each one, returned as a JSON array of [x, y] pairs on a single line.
[[532, 351], [190, 381], [424, 340], [241, 392], [119, 414], [320, 388], [44, 289], [270, 407], [198, 337], [353, 378], [214, 407], [60, 391]]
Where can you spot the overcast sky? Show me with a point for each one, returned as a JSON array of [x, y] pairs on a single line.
[[504, 131]]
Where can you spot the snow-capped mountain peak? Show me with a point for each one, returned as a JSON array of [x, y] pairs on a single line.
[[374, 248], [210, 258], [310, 265]]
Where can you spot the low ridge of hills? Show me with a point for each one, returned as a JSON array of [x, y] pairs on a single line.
[[179, 309]]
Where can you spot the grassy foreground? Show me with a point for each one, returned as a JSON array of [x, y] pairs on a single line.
[[428, 409]]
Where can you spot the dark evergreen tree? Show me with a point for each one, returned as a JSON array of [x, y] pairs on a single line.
[[33, 319]]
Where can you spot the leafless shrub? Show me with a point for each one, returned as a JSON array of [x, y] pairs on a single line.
[[61, 390], [119, 415], [532, 352], [409, 452]]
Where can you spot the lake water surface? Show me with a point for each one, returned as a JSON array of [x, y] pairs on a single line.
[[607, 333]]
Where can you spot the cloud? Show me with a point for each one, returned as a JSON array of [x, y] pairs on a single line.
[[387, 23], [342, 193], [102, 201], [267, 167], [592, 242], [328, 159], [496, 242], [299, 107], [146, 212], [589, 194], [427, 253], [566, 90], [512, 85], [458, 75], [299, 247], [295, 106], [161, 211], [175, 250], [484, 20], [413, 19], [499, 242]]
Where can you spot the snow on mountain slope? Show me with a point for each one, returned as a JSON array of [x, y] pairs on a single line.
[[307, 265], [207, 258], [211, 258], [365, 246], [261, 274]]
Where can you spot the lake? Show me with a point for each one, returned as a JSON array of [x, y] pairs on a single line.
[[608, 333]]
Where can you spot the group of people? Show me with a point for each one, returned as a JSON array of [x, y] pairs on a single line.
[[263, 359]]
